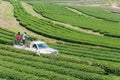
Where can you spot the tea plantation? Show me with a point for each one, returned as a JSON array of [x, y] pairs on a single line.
[[82, 56]]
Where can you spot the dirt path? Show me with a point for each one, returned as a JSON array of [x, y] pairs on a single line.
[[78, 12], [30, 10], [8, 21], [114, 5]]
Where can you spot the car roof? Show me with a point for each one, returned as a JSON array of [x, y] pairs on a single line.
[[36, 42]]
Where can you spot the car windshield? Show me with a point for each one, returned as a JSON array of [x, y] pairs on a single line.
[[43, 45]]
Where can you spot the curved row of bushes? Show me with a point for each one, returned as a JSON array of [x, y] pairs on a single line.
[[110, 66], [103, 13], [9, 74], [27, 59], [10, 52], [62, 14], [58, 32], [73, 51], [104, 59], [6, 36]]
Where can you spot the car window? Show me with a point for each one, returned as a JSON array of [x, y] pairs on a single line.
[[43, 45]]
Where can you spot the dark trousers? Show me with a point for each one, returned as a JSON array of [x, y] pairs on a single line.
[[18, 42], [24, 42]]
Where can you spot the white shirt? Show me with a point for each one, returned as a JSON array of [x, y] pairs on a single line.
[[24, 36]]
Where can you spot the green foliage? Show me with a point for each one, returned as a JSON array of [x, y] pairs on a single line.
[[74, 62], [37, 72], [50, 67], [88, 52], [51, 63], [6, 37], [99, 13], [9, 74], [107, 25], [59, 32], [2, 79]]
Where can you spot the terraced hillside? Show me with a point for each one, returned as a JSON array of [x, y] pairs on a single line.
[[59, 13], [59, 32], [74, 62], [103, 14], [79, 2], [82, 56]]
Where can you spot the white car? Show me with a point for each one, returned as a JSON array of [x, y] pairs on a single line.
[[39, 47]]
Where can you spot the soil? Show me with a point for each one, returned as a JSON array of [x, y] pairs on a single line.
[[114, 5]]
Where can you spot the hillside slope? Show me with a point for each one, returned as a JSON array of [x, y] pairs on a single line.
[[75, 61]]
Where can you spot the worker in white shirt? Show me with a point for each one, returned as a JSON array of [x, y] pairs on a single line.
[[24, 37]]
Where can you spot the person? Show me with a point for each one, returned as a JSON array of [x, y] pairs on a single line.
[[24, 37], [18, 38]]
